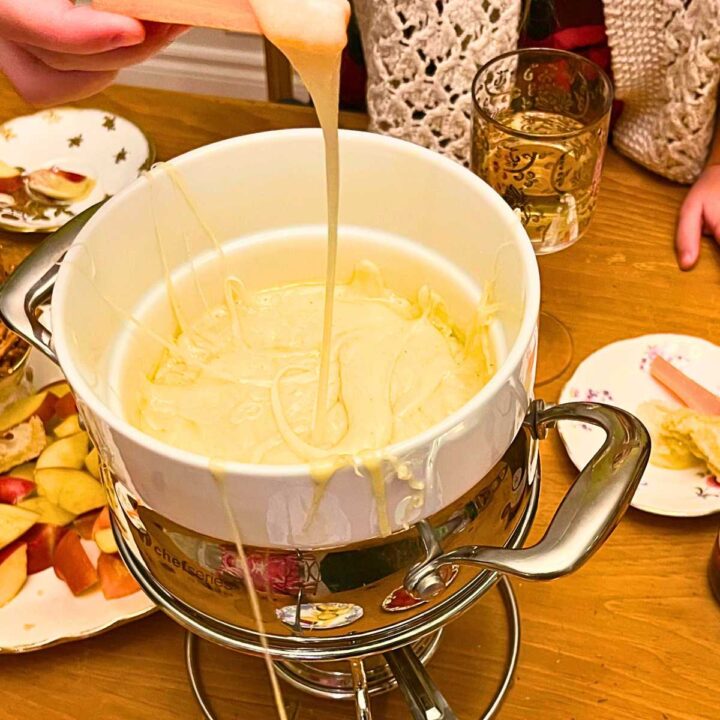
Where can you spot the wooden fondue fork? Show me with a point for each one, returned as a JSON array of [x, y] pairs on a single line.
[[233, 15]]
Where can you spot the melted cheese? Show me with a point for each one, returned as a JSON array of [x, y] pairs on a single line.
[[240, 383]]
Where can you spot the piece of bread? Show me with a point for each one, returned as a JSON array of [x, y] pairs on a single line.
[[22, 443]]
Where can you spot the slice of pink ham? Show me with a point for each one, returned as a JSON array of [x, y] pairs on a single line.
[[695, 396]]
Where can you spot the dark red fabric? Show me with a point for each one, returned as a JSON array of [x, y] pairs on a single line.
[[574, 25], [579, 27]]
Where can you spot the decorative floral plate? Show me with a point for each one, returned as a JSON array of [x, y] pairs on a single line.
[[618, 374], [45, 612], [56, 163]]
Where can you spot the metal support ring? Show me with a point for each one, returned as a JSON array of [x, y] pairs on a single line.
[[513, 616]]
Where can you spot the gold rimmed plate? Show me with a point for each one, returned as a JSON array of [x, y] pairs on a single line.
[[56, 163]]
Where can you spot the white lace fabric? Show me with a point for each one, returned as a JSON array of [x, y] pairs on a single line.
[[422, 55], [666, 66]]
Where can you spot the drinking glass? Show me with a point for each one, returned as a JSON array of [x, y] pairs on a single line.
[[539, 132]]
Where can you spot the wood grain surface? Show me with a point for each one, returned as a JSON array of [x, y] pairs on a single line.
[[633, 635]]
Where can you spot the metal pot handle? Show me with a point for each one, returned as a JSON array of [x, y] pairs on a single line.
[[587, 515], [31, 285]]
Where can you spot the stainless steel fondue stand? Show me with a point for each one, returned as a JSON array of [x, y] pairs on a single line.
[[351, 621]]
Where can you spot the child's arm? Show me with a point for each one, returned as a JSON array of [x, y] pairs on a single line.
[[700, 212]]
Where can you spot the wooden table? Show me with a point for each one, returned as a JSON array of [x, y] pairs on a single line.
[[633, 635]]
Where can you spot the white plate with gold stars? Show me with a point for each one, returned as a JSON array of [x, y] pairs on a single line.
[[56, 163]]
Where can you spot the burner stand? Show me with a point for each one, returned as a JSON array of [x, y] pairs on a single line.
[[374, 674]]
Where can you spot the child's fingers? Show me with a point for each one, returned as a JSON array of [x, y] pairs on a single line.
[[60, 26], [42, 85], [687, 239]]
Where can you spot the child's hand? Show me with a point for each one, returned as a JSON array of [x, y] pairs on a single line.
[[54, 52], [700, 213]]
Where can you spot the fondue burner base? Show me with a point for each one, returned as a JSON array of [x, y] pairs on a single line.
[[327, 680], [373, 675]]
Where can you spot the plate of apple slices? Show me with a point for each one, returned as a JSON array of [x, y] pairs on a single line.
[[61, 577], [56, 163]]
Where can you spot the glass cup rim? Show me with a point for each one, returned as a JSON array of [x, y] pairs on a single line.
[[542, 136]]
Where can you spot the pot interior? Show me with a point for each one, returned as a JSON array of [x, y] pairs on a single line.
[[263, 200]]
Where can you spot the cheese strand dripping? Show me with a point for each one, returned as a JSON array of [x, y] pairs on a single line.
[[312, 34]]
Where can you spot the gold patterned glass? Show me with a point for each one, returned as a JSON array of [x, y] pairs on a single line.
[[540, 128]]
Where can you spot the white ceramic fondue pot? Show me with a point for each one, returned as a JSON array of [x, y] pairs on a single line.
[[258, 193], [421, 218]]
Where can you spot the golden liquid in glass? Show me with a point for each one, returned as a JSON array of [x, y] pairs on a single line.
[[552, 183]]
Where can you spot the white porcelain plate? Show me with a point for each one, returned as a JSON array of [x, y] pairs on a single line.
[[618, 374], [104, 147], [45, 612]]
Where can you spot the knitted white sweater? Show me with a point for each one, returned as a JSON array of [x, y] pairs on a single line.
[[422, 54]]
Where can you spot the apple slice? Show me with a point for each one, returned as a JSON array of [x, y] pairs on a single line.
[[13, 572], [76, 491], [14, 490], [10, 178], [69, 452], [66, 406], [41, 404], [10, 185], [7, 171], [69, 426], [115, 579], [59, 184], [47, 512], [41, 540], [102, 532], [59, 388], [49, 482], [82, 494], [72, 564], [14, 521], [92, 463], [26, 470], [84, 524]]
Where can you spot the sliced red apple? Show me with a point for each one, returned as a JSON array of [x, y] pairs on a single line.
[[69, 426], [66, 406], [41, 540], [8, 170], [59, 388], [10, 178], [68, 452], [14, 521], [85, 523], [115, 579], [14, 490], [26, 470], [9, 185], [59, 184], [50, 481], [47, 512], [41, 404], [73, 565], [102, 532], [92, 463], [13, 572], [76, 491]]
